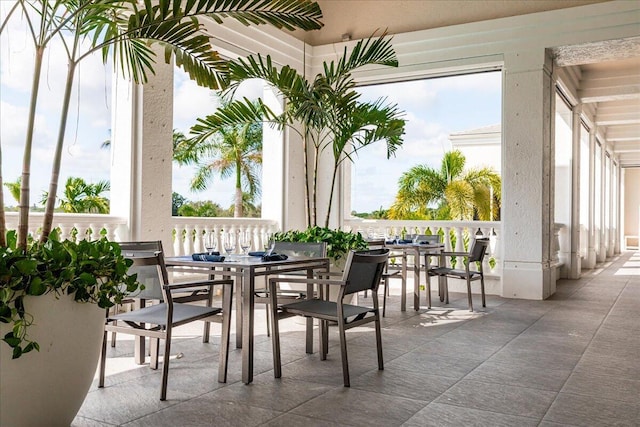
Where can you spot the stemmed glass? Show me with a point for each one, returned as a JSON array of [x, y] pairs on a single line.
[[210, 242], [229, 243], [269, 242], [245, 242]]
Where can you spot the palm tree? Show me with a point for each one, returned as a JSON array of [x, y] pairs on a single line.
[[328, 109], [455, 193], [14, 188], [82, 197], [230, 150], [126, 29]]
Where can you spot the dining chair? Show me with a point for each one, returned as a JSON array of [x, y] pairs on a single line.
[[474, 256], [363, 270], [157, 321], [138, 248], [292, 249]]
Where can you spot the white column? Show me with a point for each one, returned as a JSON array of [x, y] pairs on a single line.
[[591, 252], [574, 260], [142, 132], [273, 164], [527, 217], [601, 250]]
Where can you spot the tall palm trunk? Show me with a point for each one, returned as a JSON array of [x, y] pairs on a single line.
[[55, 169], [237, 211], [23, 220], [333, 185]]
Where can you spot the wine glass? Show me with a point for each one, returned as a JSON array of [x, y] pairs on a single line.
[[229, 243], [210, 242], [245, 242], [268, 243]]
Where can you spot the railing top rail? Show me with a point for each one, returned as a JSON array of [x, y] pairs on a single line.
[[419, 223]]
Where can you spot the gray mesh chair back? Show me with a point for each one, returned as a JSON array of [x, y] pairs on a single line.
[[147, 274], [364, 269], [301, 249], [478, 250]]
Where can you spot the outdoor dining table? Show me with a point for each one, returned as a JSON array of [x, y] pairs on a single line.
[[417, 250], [245, 269]]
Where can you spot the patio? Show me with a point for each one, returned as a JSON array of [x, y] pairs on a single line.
[[568, 360]]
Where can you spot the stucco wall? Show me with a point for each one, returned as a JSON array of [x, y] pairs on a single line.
[[631, 225]]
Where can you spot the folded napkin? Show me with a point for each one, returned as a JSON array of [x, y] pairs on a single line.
[[399, 241], [256, 253], [206, 257], [274, 257]]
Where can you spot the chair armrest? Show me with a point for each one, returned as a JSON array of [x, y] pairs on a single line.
[[452, 254], [201, 283], [312, 281]]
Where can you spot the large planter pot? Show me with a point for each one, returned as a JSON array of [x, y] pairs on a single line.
[[47, 388]]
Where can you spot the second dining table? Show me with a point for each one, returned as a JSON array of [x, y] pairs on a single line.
[[245, 269], [417, 250]]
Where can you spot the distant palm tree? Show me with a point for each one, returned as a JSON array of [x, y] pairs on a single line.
[[82, 197], [229, 150], [14, 188], [456, 193]]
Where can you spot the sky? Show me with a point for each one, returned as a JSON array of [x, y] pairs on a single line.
[[434, 109]]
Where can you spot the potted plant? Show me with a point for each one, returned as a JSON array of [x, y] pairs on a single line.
[[325, 112], [80, 280], [339, 242], [37, 279]]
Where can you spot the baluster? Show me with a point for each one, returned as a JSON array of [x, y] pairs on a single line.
[[459, 239], [177, 236], [447, 244], [188, 239], [111, 232], [197, 239]]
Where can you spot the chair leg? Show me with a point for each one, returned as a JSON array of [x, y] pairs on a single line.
[[113, 336], [484, 303], [266, 312], [343, 351], [469, 294], [379, 342], [384, 296], [154, 350], [165, 364], [275, 342], [428, 291], [103, 357], [324, 339], [227, 298]]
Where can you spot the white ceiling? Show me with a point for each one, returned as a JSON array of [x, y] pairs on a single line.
[[609, 84], [609, 72], [359, 18]]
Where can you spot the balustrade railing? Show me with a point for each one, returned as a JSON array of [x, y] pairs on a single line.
[[456, 234], [188, 232], [75, 226]]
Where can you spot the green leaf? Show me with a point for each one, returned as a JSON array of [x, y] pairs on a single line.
[[37, 287], [26, 266], [12, 340]]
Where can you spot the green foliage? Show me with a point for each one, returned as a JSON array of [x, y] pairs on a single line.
[[326, 112], [338, 242], [202, 209], [82, 197], [232, 150], [455, 193], [90, 271]]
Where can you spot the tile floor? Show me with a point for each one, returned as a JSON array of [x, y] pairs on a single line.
[[570, 360]]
